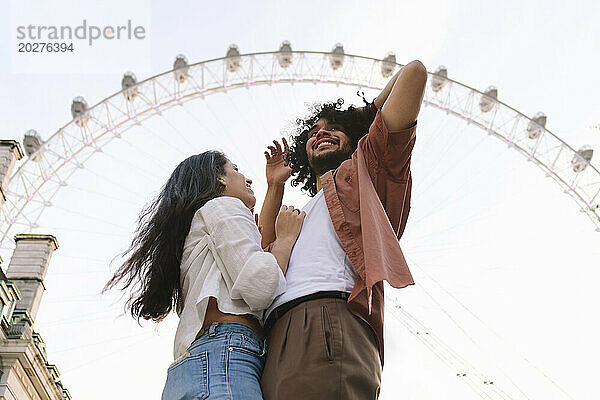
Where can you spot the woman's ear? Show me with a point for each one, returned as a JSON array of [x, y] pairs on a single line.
[[222, 182]]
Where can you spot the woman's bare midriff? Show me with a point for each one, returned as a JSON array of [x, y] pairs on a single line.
[[213, 314]]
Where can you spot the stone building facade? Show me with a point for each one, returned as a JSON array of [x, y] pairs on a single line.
[[25, 372]]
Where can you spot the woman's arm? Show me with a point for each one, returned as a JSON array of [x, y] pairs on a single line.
[[251, 274], [277, 173], [268, 213], [287, 227]]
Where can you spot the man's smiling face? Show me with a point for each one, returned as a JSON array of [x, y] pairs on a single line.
[[327, 146]]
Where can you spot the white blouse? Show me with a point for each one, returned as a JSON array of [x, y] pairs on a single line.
[[222, 258]]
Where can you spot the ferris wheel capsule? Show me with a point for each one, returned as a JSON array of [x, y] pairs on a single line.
[[439, 78], [536, 125], [181, 68], [336, 57], [581, 160], [128, 84], [79, 111], [234, 60], [285, 54], [388, 65], [488, 99], [32, 141]]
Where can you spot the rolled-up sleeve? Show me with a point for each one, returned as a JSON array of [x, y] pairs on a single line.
[[250, 273], [389, 151]]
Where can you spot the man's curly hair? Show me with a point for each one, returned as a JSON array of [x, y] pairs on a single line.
[[354, 121]]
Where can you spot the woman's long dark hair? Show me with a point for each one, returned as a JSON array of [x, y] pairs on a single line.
[[154, 257]]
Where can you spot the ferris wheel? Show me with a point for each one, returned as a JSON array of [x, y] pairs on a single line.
[[51, 163]]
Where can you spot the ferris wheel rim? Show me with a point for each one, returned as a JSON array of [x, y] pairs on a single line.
[[195, 95], [325, 54], [151, 78]]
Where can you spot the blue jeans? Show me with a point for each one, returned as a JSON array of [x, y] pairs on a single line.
[[226, 362]]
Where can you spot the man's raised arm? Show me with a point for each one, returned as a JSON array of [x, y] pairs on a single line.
[[400, 101]]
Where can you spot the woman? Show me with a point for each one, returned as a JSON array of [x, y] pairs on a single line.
[[197, 249]]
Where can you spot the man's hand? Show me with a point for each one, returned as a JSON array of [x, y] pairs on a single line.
[[277, 170]]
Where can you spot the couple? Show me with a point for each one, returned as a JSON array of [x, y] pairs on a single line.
[[314, 296]]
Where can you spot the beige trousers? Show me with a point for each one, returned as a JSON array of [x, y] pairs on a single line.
[[318, 350]]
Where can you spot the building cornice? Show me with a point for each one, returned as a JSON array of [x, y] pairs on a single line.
[[13, 144], [37, 237]]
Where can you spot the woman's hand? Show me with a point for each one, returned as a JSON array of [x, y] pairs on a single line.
[[287, 228], [288, 224], [278, 172]]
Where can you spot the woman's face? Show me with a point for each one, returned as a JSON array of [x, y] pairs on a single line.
[[237, 185]]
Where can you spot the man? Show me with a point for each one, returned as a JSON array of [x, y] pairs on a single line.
[[325, 333]]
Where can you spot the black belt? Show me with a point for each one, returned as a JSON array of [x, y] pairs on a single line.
[[285, 307]]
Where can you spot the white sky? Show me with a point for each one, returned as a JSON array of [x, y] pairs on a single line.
[[486, 227]]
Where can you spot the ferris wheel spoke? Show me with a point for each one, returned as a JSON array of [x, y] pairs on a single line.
[[121, 351], [102, 194], [447, 229], [87, 215], [508, 345], [425, 185], [461, 191], [469, 374], [439, 161], [204, 127], [155, 161], [124, 189], [489, 358], [190, 146], [60, 228], [133, 166], [239, 154]]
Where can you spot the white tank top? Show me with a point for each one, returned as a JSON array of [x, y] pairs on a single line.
[[318, 261]]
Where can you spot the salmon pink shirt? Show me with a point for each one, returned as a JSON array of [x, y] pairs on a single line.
[[368, 198]]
